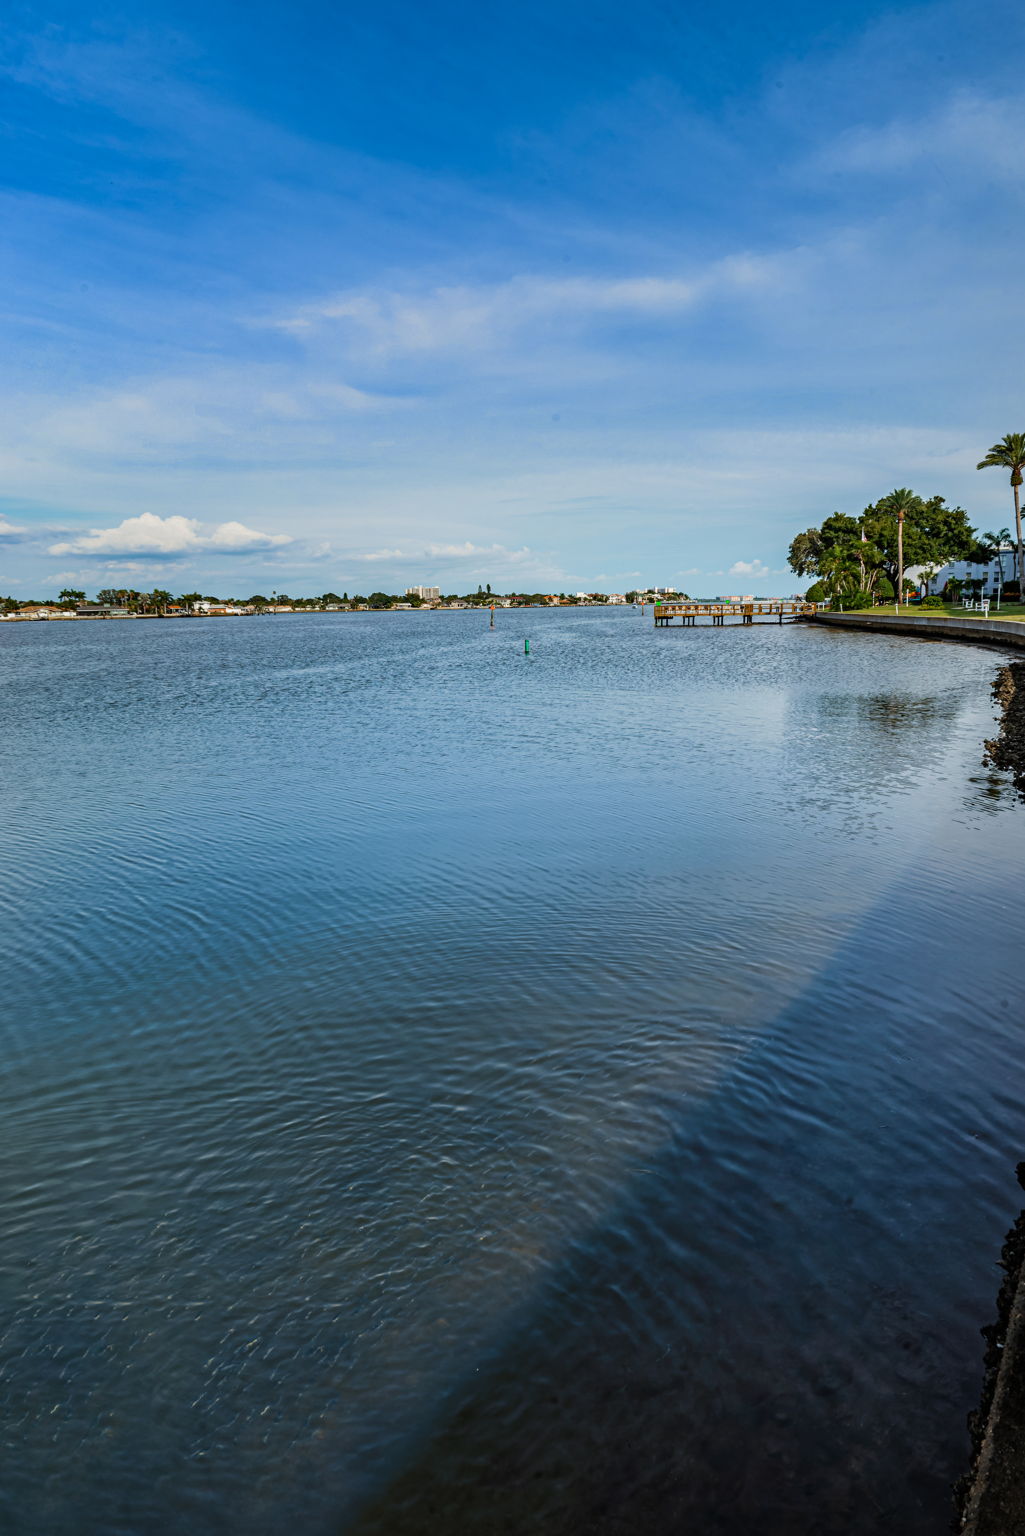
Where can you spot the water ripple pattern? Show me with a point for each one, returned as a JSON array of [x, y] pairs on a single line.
[[453, 1091]]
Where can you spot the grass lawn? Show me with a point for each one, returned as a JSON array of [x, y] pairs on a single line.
[[948, 611]]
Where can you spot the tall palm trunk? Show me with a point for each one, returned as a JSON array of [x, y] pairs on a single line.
[[1015, 483]]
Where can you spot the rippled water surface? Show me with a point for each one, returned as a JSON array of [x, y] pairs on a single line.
[[453, 1092]]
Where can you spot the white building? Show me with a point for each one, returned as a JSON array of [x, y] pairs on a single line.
[[989, 574], [425, 594]]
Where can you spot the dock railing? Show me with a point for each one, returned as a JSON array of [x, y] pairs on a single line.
[[773, 610]]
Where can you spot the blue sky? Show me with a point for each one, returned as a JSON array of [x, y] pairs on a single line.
[[553, 297]]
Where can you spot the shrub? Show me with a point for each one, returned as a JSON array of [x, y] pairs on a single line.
[[931, 602], [850, 600], [816, 593]]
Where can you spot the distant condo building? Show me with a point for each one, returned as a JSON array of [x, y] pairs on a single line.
[[425, 594]]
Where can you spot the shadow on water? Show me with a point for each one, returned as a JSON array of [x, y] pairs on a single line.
[[777, 1330]]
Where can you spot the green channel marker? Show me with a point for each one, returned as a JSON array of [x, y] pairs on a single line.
[[526, 647]]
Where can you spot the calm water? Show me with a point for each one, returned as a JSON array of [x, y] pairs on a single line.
[[449, 1092]]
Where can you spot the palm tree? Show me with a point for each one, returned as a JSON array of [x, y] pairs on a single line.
[[898, 504], [839, 569], [994, 545], [1009, 453], [998, 542]]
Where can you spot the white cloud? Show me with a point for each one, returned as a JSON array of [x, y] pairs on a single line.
[[171, 536], [237, 539], [10, 530], [380, 554]]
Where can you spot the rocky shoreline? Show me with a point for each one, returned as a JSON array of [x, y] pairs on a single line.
[[1007, 751], [989, 1500]]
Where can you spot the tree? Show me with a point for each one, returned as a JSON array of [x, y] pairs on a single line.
[[898, 505], [816, 551], [841, 572], [159, 598], [190, 599], [70, 595], [930, 532], [380, 600], [806, 550], [1009, 453]]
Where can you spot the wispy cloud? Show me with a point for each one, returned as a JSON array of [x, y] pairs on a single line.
[[465, 317], [469, 551], [753, 568], [964, 133], [631, 326]]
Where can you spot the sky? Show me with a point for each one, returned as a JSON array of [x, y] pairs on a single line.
[[318, 297]]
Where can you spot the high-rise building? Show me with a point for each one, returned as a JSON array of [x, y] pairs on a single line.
[[425, 594]]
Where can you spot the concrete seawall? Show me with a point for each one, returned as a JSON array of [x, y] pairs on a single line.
[[990, 1499], [1003, 632]]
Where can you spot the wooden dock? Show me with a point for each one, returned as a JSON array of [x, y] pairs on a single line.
[[678, 615]]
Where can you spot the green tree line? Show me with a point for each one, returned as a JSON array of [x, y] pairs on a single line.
[[860, 560]]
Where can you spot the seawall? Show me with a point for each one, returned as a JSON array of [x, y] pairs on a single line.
[[1003, 632], [990, 1499]]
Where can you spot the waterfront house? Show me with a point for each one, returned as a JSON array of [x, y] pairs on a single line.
[[36, 611], [100, 611]]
